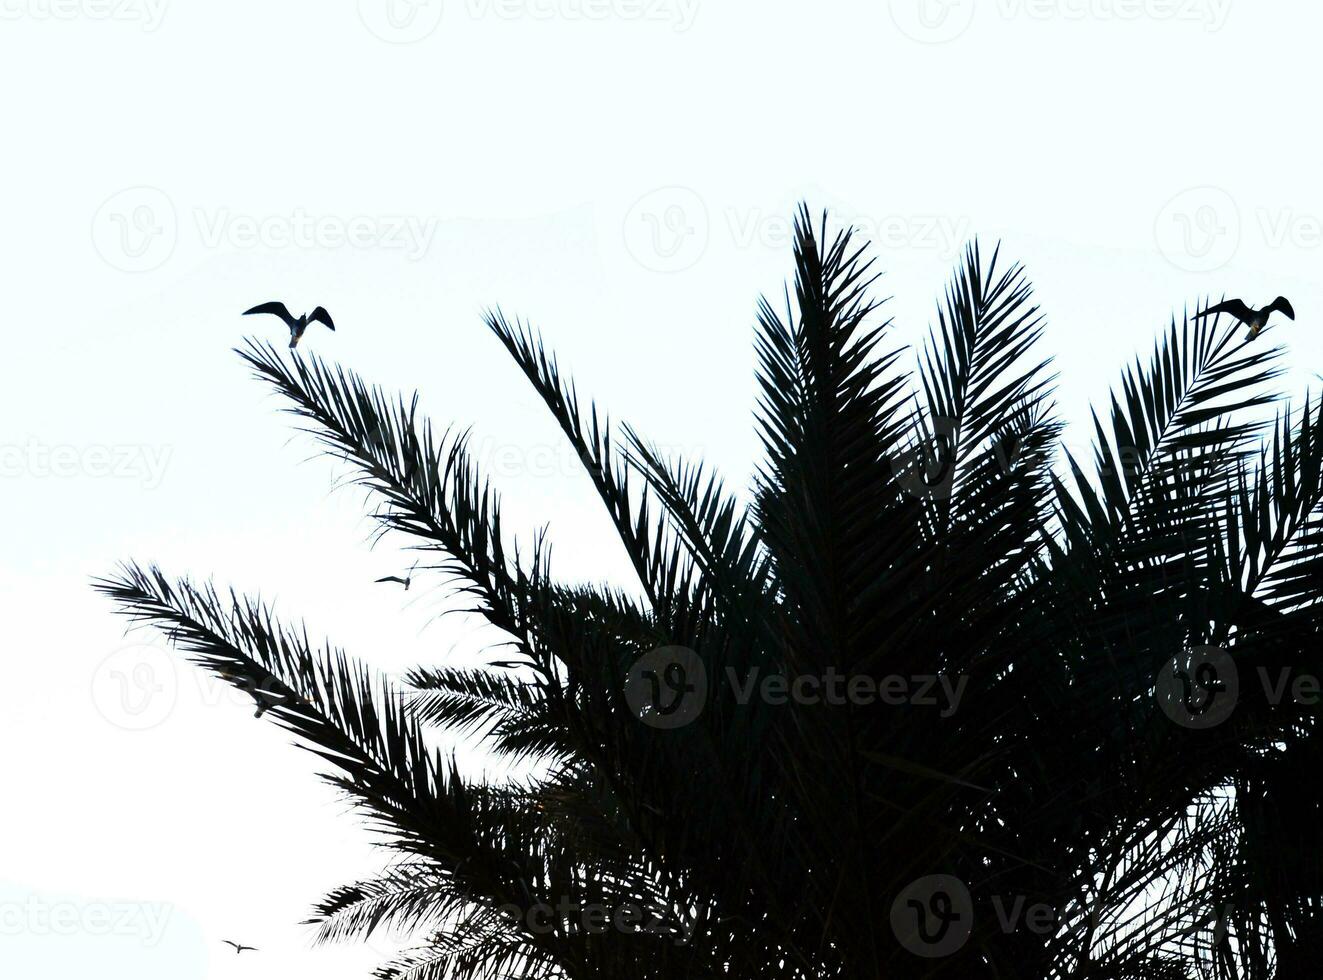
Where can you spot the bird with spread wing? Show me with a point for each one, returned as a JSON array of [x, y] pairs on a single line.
[[404, 580], [240, 947], [297, 325], [1256, 320]]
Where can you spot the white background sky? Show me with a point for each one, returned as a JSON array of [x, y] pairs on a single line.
[[619, 171]]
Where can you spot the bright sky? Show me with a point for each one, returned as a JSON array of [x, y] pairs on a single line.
[[621, 172]]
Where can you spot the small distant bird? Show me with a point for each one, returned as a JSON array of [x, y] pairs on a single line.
[[297, 326], [266, 700], [239, 947], [1256, 320], [402, 581]]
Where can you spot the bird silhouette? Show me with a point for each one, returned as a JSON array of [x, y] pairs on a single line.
[[1256, 320], [239, 947], [266, 700], [297, 325], [402, 581]]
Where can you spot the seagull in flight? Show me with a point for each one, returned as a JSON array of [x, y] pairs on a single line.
[[298, 325], [239, 947], [1256, 320], [402, 581]]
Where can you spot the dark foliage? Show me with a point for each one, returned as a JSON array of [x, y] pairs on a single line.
[[904, 525]]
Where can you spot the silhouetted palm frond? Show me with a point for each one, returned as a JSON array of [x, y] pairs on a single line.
[[700, 787]]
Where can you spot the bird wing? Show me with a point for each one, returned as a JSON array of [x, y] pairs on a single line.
[[391, 578], [1283, 305], [228, 942], [321, 316], [276, 308], [251, 949], [1235, 307]]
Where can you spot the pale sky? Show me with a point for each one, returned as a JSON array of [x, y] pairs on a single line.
[[622, 173]]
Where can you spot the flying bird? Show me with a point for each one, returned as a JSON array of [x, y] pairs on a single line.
[[402, 581], [239, 947], [298, 325], [1256, 320]]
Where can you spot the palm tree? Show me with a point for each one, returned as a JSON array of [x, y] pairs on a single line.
[[940, 699]]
